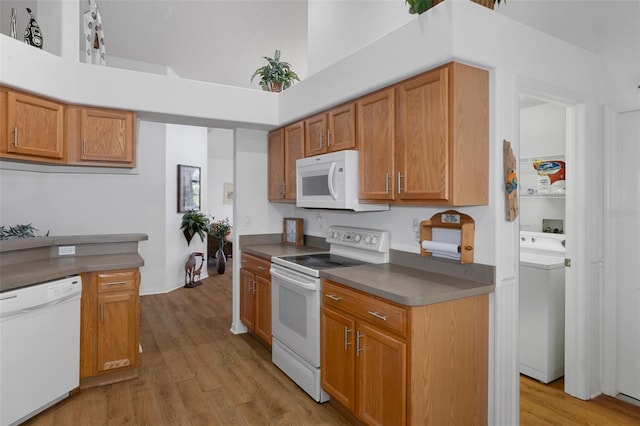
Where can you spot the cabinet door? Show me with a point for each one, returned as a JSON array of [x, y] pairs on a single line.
[[376, 132], [107, 135], [263, 309], [422, 137], [35, 126], [276, 165], [294, 149], [315, 133], [337, 356], [247, 298], [117, 330], [342, 128], [382, 377]]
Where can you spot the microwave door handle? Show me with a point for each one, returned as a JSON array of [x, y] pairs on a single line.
[[332, 171]]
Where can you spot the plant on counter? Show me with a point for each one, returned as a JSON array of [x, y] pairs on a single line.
[[277, 75], [220, 229], [194, 222], [19, 231], [421, 6]]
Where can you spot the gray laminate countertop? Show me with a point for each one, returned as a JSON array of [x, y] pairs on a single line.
[[401, 284], [266, 251], [404, 285], [30, 261]]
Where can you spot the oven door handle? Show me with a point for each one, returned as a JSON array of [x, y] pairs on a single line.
[[291, 281]]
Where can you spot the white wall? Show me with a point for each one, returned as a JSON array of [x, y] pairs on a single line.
[[336, 29], [186, 145], [220, 170]]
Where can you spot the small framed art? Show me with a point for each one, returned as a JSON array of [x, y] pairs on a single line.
[[292, 231], [188, 188]]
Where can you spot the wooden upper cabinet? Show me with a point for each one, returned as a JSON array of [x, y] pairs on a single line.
[[286, 145], [293, 150], [102, 137], [276, 165], [376, 135], [32, 129], [442, 137], [422, 137], [315, 141], [330, 131]]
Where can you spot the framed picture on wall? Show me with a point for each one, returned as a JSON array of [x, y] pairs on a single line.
[[188, 188]]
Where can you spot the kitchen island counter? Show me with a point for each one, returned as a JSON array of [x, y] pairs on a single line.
[[404, 285]]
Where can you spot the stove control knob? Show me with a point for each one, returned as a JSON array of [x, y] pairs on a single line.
[[357, 238], [335, 235], [367, 239], [374, 240]]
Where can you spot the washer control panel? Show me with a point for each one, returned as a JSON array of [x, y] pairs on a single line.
[[361, 238]]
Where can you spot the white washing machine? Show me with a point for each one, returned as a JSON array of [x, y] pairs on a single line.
[[542, 305]]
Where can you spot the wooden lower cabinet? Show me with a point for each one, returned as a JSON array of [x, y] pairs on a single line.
[[255, 297], [389, 364], [109, 334]]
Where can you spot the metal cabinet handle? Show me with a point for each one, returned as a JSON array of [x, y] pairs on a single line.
[[262, 268], [346, 337], [84, 147], [358, 348], [387, 179], [116, 283], [15, 137], [321, 143], [254, 285], [399, 186], [101, 312], [377, 315], [328, 137], [284, 188], [333, 297]]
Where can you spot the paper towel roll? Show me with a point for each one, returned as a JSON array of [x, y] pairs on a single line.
[[440, 249]]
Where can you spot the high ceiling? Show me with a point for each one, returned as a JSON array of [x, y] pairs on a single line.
[[223, 41]]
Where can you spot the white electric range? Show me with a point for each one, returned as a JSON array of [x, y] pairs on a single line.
[[296, 299]]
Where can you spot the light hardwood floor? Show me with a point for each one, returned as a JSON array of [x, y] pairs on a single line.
[[194, 371]]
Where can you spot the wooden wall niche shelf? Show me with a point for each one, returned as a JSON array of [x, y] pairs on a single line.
[[451, 220]]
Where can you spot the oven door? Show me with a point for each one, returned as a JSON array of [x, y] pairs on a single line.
[[295, 312]]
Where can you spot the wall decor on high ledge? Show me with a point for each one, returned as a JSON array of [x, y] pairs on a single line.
[[32, 34], [94, 51]]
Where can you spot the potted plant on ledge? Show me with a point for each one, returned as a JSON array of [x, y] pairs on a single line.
[[277, 75], [220, 230]]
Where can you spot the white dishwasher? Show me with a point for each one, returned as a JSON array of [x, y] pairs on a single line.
[[39, 347]]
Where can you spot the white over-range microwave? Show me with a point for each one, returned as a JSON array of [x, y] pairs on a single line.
[[330, 181]]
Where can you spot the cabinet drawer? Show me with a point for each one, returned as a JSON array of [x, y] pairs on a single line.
[[116, 281], [368, 308], [256, 265]]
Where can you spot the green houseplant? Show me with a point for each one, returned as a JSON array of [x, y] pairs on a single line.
[[194, 222], [421, 6], [18, 231], [277, 75]]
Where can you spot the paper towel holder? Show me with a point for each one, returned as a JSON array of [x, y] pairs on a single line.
[[451, 219]]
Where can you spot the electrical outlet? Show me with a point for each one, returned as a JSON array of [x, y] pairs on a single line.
[[66, 250], [319, 220], [247, 221], [415, 227]]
